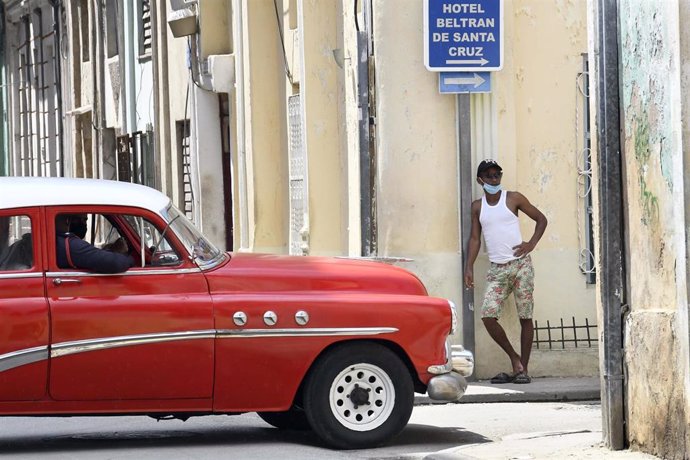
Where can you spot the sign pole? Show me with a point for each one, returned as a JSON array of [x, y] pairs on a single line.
[[465, 178]]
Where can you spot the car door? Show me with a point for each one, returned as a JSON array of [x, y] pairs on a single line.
[[23, 307], [145, 334]]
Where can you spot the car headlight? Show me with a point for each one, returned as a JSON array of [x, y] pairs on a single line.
[[453, 317]]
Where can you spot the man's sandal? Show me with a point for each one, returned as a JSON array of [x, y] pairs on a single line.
[[502, 378], [522, 377]]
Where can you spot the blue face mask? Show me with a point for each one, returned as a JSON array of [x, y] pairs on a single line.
[[491, 189]]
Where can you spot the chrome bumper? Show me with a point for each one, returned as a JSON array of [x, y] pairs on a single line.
[[447, 387], [462, 360], [449, 384]]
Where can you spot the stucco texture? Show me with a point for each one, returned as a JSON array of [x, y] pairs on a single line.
[[655, 397], [655, 340], [651, 147]]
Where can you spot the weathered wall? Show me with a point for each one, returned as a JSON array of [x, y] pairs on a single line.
[[655, 340]]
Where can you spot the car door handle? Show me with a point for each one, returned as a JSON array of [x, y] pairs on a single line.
[[59, 281]]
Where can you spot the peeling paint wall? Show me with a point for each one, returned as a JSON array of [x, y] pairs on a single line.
[[656, 334]]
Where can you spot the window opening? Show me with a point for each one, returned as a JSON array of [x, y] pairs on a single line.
[[145, 242], [145, 35], [16, 243], [37, 117], [297, 173], [135, 158]]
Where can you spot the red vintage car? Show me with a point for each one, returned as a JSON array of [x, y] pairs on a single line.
[[338, 346]]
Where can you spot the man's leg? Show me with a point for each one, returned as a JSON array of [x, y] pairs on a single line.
[[498, 287], [526, 340], [497, 333], [524, 300]]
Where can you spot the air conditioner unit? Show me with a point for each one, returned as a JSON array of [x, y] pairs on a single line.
[[182, 22]]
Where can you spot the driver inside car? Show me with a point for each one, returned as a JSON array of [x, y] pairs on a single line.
[[74, 252]]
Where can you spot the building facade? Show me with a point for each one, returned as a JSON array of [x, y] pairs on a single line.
[[314, 128]]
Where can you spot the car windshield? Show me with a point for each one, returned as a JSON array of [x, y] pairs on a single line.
[[203, 251]]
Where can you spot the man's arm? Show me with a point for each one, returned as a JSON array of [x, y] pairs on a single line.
[[97, 260], [473, 245], [536, 215]]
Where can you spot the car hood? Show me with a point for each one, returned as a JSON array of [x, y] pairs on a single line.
[[247, 272]]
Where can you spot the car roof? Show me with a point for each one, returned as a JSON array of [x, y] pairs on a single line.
[[20, 192]]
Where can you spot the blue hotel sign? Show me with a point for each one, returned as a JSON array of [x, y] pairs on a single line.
[[463, 35]]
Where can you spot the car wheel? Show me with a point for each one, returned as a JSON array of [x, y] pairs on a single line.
[[293, 419], [358, 395]]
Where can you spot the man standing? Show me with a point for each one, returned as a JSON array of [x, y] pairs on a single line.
[[496, 215]]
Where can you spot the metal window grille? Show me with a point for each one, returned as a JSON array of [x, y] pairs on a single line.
[[565, 335], [585, 207], [36, 117], [135, 162], [145, 33], [297, 174], [185, 156]]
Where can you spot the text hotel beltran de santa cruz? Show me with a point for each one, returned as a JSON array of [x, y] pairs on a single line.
[[463, 35]]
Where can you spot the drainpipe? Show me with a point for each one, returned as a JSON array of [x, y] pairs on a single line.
[[4, 132], [367, 142], [57, 29], [463, 116], [242, 179], [612, 284]]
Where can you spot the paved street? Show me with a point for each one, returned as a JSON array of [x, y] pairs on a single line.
[[454, 431]]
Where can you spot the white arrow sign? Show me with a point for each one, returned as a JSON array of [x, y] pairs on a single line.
[[476, 80], [481, 61]]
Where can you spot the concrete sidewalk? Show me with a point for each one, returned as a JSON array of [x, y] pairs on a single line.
[[545, 389]]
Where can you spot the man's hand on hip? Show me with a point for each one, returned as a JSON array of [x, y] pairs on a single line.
[[523, 249]]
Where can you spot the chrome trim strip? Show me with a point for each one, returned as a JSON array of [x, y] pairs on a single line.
[[22, 357], [32, 355], [145, 272], [83, 346], [11, 276], [304, 332]]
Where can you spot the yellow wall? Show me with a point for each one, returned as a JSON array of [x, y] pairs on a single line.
[[321, 103], [265, 128]]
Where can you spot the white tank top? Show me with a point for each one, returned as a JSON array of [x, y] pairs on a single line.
[[501, 229]]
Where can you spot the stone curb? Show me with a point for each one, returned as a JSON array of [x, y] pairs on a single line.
[[541, 390]]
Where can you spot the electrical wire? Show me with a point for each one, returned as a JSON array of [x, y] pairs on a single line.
[[191, 63], [356, 16], [282, 43]]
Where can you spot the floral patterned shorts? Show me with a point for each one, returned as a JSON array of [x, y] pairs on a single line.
[[516, 276]]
